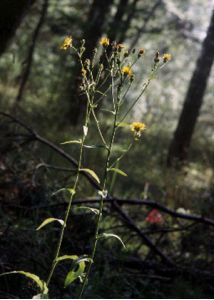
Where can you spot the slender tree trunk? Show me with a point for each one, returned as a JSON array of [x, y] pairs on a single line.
[[95, 24], [11, 15], [29, 60], [116, 24], [179, 146]]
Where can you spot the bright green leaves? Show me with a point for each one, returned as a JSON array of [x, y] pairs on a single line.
[[72, 142], [77, 268], [64, 257], [40, 283], [50, 220], [92, 173], [117, 171], [111, 235]]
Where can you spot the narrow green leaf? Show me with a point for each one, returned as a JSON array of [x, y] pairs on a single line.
[[92, 173], [75, 258], [118, 171], [111, 235], [50, 220], [72, 142], [58, 191], [73, 275], [94, 146], [40, 283], [83, 258], [93, 210], [109, 111], [78, 267], [71, 191], [64, 257]]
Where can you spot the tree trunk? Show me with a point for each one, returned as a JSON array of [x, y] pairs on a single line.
[[179, 147], [27, 68], [126, 24], [11, 14], [116, 24]]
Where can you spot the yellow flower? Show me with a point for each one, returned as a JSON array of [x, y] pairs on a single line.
[[104, 41], [67, 43], [127, 71], [137, 128], [167, 57]]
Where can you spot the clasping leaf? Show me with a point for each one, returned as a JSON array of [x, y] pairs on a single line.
[[50, 220], [92, 173], [111, 235], [40, 283]]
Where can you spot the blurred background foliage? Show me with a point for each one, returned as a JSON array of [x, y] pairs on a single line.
[[30, 58]]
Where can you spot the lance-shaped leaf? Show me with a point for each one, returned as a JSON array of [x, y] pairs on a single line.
[[72, 142], [77, 270], [93, 210], [40, 283], [109, 111], [74, 274], [118, 171], [111, 235], [75, 258], [49, 220], [64, 257], [92, 173], [78, 267], [94, 146], [71, 191]]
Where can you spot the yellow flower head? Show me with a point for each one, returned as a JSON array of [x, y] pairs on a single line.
[[104, 41], [167, 57], [137, 128], [67, 43], [127, 71]]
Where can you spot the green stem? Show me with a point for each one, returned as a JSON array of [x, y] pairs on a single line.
[[59, 244], [96, 237], [154, 69]]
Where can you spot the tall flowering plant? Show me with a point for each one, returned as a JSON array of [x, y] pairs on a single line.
[[109, 74]]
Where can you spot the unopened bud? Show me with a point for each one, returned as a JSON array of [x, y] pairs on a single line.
[[157, 57], [141, 52], [126, 54]]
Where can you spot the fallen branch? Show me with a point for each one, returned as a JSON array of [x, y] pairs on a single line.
[[115, 202], [131, 224]]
